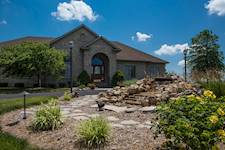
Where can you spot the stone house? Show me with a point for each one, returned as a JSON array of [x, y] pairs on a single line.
[[100, 57]]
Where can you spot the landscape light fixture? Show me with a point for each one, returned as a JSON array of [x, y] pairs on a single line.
[[185, 64], [24, 104], [71, 45]]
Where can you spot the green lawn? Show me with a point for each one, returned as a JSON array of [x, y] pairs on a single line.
[[7, 141], [12, 104], [14, 90]]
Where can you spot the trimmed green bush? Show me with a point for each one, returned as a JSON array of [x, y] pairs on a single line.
[[47, 117], [84, 78], [217, 87], [91, 85], [94, 132], [192, 122], [67, 96], [117, 78], [82, 86]]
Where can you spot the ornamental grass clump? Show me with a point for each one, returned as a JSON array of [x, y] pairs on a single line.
[[67, 96], [192, 122], [47, 117], [94, 132]]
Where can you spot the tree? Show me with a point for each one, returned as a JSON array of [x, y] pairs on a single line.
[[204, 56], [32, 59]]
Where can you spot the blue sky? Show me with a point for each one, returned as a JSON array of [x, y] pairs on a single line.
[[162, 28]]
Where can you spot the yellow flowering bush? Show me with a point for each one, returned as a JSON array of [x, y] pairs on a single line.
[[209, 94], [198, 122]]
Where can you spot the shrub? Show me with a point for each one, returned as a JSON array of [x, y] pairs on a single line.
[[47, 117], [67, 96], [195, 122], [94, 132], [91, 85], [117, 78], [84, 78], [3, 84], [82, 86], [217, 87]]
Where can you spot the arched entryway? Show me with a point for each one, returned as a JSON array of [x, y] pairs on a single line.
[[100, 69]]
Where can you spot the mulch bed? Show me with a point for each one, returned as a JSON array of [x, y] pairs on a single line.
[[66, 137]]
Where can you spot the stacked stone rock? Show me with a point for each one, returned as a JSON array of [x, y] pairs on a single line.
[[148, 91]]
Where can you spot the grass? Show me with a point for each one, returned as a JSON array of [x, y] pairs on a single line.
[[217, 87], [94, 132], [7, 141], [13, 104], [14, 90]]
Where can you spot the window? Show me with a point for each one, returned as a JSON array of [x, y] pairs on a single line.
[[154, 70], [130, 71]]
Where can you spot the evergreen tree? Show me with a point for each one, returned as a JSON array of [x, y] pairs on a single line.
[[204, 58]]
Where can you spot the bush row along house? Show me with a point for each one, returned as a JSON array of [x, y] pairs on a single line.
[[100, 57]]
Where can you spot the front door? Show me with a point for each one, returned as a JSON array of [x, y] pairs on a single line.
[[99, 68]]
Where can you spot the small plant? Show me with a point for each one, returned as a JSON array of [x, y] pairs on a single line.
[[84, 78], [117, 78], [67, 96], [94, 132], [192, 122], [91, 86], [47, 117], [82, 86]]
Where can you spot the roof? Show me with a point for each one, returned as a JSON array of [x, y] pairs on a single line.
[[72, 31], [128, 53], [25, 39], [86, 46]]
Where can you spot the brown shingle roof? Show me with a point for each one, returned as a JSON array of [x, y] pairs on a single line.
[[128, 53], [26, 39]]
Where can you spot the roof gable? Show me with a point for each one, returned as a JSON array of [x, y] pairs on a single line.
[[74, 30], [86, 46]]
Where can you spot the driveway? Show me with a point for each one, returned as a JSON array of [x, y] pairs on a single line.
[[58, 94]]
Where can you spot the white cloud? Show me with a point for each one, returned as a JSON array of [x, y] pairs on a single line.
[[143, 37], [75, 10], [216, 7], [181, 63], [3, 22], [171, 49]]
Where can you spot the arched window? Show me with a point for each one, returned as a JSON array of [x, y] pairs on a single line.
[[98, 68], [97, 61]]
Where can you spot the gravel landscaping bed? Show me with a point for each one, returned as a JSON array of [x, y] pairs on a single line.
[[129, 130]]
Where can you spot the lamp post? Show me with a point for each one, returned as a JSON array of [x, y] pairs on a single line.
[[185, 64], [24, 104], [71, 45]]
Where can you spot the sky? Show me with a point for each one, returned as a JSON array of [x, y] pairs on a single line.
[[162, 28]]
